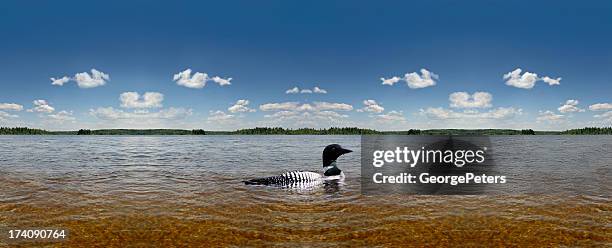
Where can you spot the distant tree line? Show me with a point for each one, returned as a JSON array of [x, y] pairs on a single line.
[[21, 130], [198, 132], [140, 132], [466, 132], [527, 132], [84, 132], [409, 132], [589, 130], [304, 131]]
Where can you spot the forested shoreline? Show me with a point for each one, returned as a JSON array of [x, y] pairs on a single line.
[[306, 131]]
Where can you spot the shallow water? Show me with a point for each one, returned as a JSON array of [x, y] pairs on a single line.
[[187, 190]]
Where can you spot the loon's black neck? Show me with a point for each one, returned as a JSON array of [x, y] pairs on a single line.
[[329, 162]]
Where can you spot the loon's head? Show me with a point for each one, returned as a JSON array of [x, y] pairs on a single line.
[[330, 154]]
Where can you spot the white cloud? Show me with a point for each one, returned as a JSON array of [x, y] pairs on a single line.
[[61, 117], [41, 106], [315, 90], [607, 117], [444, 114], [426, 79], [332, 106], [371, 106], [318, 90], [465, 100], [390, 81], [470, 111], [84, 79], [293, 90], [241, 106], [527, 80], [570, 106], [305, 107], [330, 114], [316, 114], [604, 115], [297, 119], [97, 78], [601, 106], [391, 116], [109, 113], [198, 80], [549, 116], [11, 106], [141, 116], [413, 79], [222, 81], [279, 106], [219, 116], [60, 81], [7, 119], [5, 115], [295, 106], [552, 81], [282, 114], [148, 100]]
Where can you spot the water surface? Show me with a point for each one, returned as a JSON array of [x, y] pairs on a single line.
[[187, 190]]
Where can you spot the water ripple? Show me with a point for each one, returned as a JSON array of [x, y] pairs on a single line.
[[193, 186]]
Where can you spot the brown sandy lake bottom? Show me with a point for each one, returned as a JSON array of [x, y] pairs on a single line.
[[534, 221], [187, 192]]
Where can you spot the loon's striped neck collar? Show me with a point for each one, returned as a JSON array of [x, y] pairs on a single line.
[[331, 165], [332, 169]]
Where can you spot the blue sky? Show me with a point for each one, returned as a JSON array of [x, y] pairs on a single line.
[[270, 47]]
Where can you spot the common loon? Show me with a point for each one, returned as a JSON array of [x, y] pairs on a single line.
[[308, 178]]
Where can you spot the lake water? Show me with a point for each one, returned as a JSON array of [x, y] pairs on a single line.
[[187, 190]]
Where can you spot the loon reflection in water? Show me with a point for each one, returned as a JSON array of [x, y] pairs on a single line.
[[308, 179]]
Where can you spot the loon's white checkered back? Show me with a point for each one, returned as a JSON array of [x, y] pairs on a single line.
[[287, 178]]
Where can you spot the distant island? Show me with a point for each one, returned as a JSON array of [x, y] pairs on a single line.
[[306, 131]]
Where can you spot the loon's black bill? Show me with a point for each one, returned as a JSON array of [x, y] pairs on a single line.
[[343, 151]]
